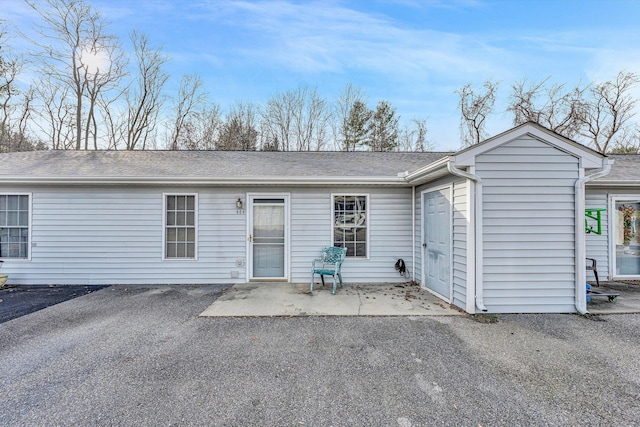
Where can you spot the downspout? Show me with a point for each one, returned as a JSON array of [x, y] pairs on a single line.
[[476, 222], [580, 250], [413, 234]]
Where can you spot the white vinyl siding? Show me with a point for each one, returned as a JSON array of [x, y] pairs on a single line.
[[460, 221], [529, 227], [598, 244], [106, 235], [114, 235], [389, 233]]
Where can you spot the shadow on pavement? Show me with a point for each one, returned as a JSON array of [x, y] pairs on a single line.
[[16, 301]]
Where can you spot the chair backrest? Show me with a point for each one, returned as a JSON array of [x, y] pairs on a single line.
[[334, 255]]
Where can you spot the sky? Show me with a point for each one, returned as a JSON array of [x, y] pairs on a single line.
[[413, 53]]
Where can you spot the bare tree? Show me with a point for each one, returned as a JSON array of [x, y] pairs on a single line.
[[113, 119], [474, 109], [101, 82], [311, 119], [144, 99], [405, 139], [277, 122], [413, 137], [239, 132], [22, 140], [56, 113], [201, 131], [74, 50], [629, 142], [610, 108], [383, 128], [14, 132], [552, 107], [10, 68], [188, 102]]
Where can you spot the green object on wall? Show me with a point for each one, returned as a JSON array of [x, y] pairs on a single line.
[[595, 214]]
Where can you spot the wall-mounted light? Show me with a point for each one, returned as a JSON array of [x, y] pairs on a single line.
[[239, 205]]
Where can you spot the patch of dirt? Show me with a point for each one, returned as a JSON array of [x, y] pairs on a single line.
[[593, 317], [485, 318]]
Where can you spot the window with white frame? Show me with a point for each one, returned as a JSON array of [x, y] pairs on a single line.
[[350, 224], [180, 226], [14, 226]]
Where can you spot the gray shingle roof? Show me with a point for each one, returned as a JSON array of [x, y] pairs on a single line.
[[210, 164], [239, 164], [626, 167]]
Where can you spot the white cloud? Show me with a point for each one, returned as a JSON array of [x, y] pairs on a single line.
[[329, 37]]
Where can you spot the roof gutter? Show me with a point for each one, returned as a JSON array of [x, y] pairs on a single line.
[[181, 180], [615, 183], [475, 223], [580, 250], [429, 172]]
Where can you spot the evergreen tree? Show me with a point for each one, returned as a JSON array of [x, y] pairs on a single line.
[[383, 128], [355, 127]]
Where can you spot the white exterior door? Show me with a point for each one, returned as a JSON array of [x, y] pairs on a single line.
[[268, 237], [436, 241]]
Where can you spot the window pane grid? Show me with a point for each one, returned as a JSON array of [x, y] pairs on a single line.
[[14, 226], [350, 224], [180, 228]]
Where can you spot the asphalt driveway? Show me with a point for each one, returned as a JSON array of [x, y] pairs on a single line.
[[16, 301], [141, 356]]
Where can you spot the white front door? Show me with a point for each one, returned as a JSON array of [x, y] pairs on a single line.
[[436, 241], [268, 236]]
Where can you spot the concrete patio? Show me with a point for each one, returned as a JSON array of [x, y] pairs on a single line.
[[382, 299], [628, 302], [294, 299]]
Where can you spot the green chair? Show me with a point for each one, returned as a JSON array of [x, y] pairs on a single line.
[[329, 264]]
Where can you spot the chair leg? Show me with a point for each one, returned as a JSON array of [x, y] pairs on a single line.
[[340, 277], [335, 285], [311, 286], [322, 277]]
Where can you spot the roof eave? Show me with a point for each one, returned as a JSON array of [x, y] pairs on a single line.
[[181, 180], [430, 172], [614, 183]]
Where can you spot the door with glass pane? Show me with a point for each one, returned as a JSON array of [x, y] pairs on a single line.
[[268, 236], [626, 237]]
